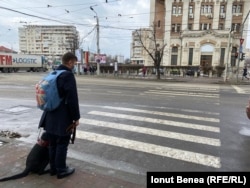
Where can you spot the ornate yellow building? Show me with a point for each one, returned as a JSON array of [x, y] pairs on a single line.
[[203, 33]]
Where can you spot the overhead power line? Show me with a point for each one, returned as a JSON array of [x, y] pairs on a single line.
[[43, 18]]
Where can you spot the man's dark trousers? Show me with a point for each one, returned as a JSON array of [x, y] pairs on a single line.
[[58, 152]]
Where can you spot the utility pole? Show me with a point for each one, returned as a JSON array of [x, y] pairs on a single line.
[[97, 41], [240, 52], [228, 55]]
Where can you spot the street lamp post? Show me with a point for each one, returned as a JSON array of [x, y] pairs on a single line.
[[228, 55], [97, 41]]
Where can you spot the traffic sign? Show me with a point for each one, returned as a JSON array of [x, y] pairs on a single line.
[[241, 41]]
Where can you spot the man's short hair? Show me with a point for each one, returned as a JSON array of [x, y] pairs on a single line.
[[67, 57]]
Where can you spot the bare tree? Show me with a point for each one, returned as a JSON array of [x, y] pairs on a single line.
[[153, 46]]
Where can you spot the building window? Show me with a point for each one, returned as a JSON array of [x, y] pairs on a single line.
[[237, 9], [173, 27], [200, 26], [190, 56], [178, 27], [210, 9], [222, 9], [235, 27], [233, 59], [190, 26], [238, 27], [202, 9], [179, 10], [174, 56], [221, 26], [159, 23], [174, 50], [234, 8], [174, 60], [206, 9], [222, 56], [174, 10], [190, 9], [204, 26]]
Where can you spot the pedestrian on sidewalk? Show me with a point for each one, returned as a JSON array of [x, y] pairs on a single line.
[[244, 74], [57, 121], [144, 71]]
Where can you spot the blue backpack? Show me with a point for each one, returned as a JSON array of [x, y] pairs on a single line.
[[47, 95]]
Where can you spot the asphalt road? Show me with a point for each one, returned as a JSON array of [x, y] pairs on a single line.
[[130, 127]]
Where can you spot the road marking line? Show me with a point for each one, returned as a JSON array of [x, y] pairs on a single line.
[[238, 89], [154, 132], [159, 121], [180, 109], [187, 89], [188, 156], [190, 94], [115, 92], [165, 114]]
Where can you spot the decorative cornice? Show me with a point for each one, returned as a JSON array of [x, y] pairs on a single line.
[[196, 34]]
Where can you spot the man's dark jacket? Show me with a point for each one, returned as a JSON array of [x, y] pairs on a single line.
[[57, 121]]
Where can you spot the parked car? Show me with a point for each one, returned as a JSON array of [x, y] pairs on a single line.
[[161, 71], [191, 72], [175, 71]]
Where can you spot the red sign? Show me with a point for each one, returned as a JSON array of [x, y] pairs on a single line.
[[241, 41], [5, 60]]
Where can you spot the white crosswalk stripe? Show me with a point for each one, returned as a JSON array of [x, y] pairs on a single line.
[[183, 93], [209, 125], [153, 149], [167, 134], [164, 114], [239, 90], [159, 121], [187, 91]]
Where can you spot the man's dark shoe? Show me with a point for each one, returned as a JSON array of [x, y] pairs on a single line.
[[53, 172], [64, 173]]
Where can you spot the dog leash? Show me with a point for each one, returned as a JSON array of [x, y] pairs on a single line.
[[39, 134], [72, 129]]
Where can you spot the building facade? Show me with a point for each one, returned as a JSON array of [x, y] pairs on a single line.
[[203, 33], [51, 41], [138, 53]]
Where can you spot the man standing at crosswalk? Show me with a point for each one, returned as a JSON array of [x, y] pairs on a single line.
[[56, 122]]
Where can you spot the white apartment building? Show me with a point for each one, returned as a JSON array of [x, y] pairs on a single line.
[[200, 32], [51, 41], [138, 54]]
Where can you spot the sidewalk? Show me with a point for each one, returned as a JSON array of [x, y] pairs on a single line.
[[12, 161]]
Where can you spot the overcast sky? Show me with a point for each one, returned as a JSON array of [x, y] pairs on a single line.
[[117, 20]]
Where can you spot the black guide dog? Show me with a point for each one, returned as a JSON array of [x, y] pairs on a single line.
[[37, 160]]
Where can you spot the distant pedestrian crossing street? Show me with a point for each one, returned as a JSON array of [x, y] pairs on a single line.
[[147, 122]]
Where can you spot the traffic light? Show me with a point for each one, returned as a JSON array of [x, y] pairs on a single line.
[[242, 56]]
